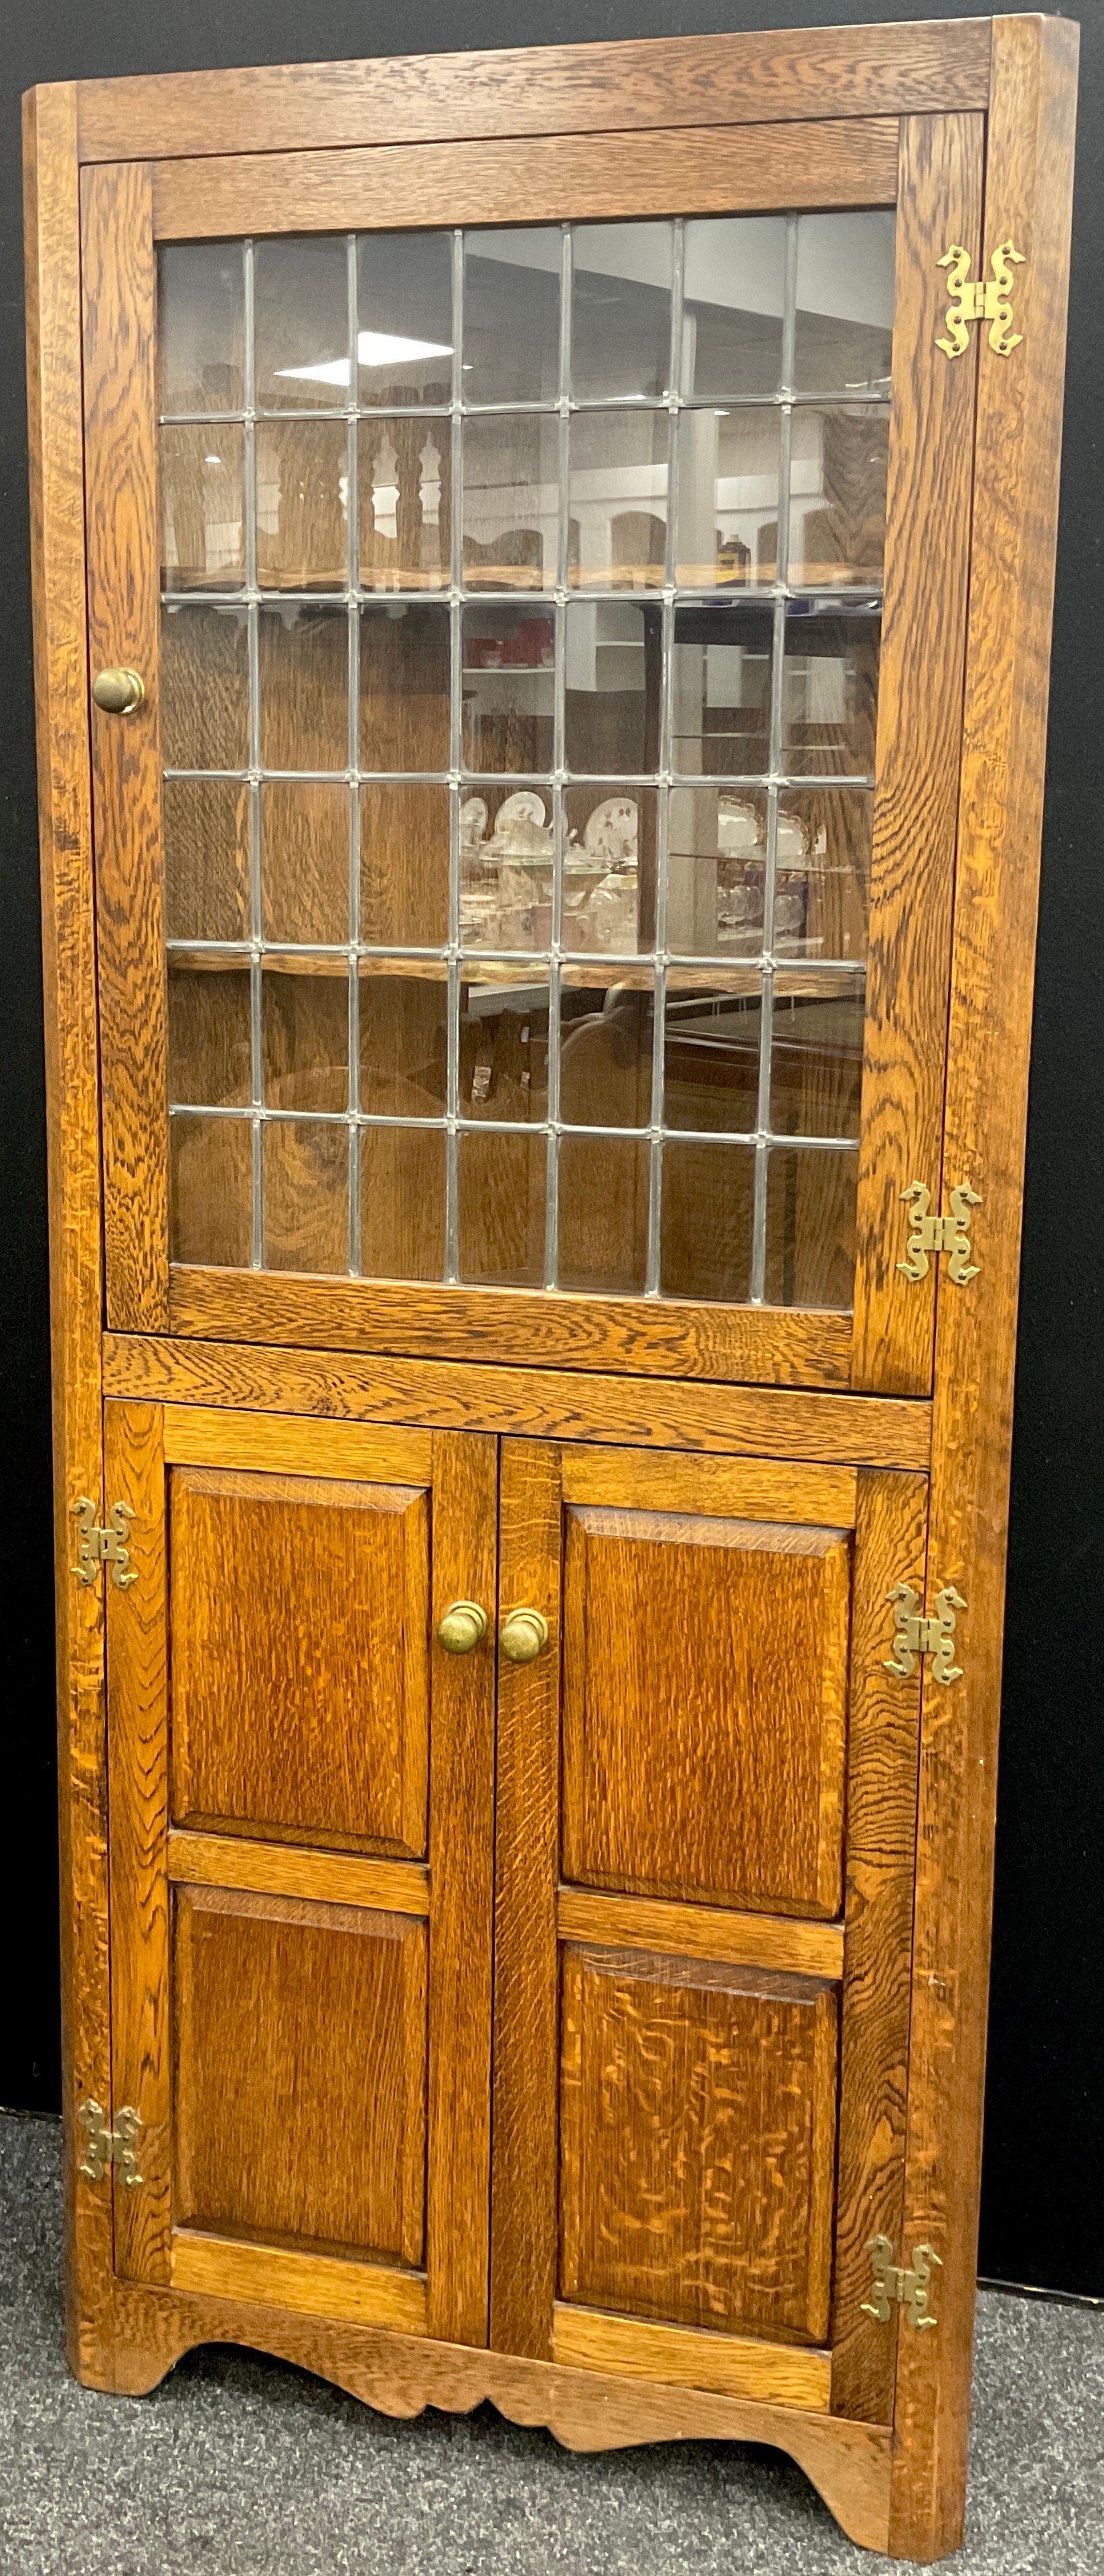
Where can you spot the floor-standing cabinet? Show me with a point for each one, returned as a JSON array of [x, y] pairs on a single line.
[[543, 574]]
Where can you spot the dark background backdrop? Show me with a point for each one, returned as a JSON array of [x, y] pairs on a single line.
[[1043, 2210]]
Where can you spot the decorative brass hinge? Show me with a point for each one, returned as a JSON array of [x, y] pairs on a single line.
[[106, 2146], [96, 1547], [916, 1636], [979, 299], [940, 1233], [894, 2287]]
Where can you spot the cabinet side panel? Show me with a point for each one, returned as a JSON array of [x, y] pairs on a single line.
[[72, 1099], [1028, 190], [138, 1729], [123, 556]]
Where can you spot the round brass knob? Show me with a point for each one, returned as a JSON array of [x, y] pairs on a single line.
[[462, 1627], [522, 1635], [118, 692]]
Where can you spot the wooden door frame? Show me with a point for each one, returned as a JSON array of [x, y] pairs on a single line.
[[1021, 73]]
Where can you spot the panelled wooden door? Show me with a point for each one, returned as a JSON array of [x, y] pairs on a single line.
[[706, 1820], [301, 1863], [524, 893]]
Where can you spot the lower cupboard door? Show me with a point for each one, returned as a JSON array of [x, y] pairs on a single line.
[[301, 1840], [706, 1795]]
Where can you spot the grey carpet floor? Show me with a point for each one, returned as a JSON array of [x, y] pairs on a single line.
[[240, 2466]]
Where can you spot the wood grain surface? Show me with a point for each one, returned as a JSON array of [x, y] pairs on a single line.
[[124, 551], [699, 1931], [528, 1401], [1027, 199], [704, 1701], [738, 2365], [319, 2284], [882, 1744], [299, 2073], [697, 2142], [553, 89], [523, 2194], [758, 1490], [279, 1869], [595, 177], [299, 1638], [197, 1437], [401, 2374], [786, 1346], [917, 755], [138, 1748], [52, 223]]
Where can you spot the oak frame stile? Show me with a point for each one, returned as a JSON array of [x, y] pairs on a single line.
[[897, 2481]]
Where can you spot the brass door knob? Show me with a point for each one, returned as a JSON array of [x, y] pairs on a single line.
[[463, 1626], [522, 1635], [118, 692]]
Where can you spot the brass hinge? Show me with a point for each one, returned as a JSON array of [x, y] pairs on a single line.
[[106, 2146], [980, 299], [916, 1636], [949, 1234], [894, 2287], [96, 1547]]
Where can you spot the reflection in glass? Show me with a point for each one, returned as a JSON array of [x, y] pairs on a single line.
[[512, 314], [210, 1060], [501, 1192], [734, 284], [211, 1190], [844, 329], [404, 687], [504, 1045], [305, 1033], [822, 879], [201, 327], [830, 696], [613, 670], [722, 687], [203, 507], [620, 309], [716, 871], [511, 501], [507, 867], [603, 1214], [404, 864], [404, 343], [609, 868], [205, 829], [606, 1038], [306, 1195], [711, 1053], [304, 861], [405, 486], [810, 1226], [301, 308], [402, 1202], [706, 1221], [403, 1039], [302, 504], [508, 688], [816, 1055], [204, 688], [727, 526], [838, 465], [303, 656], [617, 499]]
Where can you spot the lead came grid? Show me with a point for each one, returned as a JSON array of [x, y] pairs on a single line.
[[670, 603]]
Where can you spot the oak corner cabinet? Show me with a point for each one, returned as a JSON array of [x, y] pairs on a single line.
[[543, 572]]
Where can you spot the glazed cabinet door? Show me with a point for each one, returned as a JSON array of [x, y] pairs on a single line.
[[301, 1862], [524, 870], [706, 1818]]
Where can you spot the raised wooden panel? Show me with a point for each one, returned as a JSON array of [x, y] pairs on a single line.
[[299, 2072], [704, 1694], [697, 2142], [299, 1620]]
